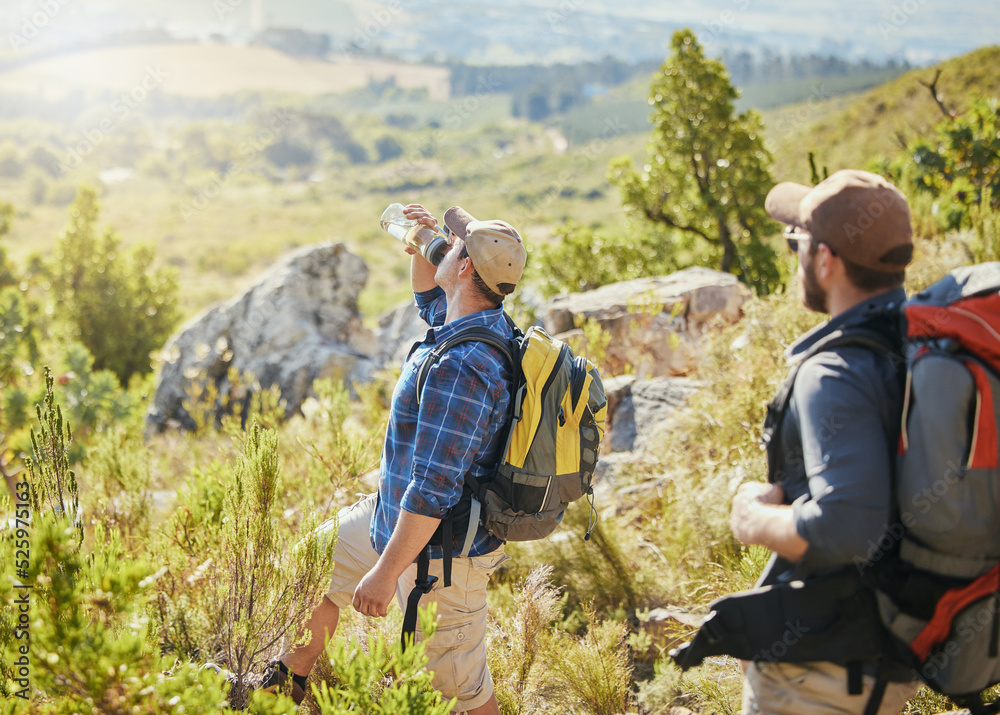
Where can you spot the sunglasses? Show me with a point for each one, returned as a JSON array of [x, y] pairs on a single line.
[[793, 237]]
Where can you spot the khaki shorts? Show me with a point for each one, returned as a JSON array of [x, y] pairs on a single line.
[[814, 688], [457, 652]]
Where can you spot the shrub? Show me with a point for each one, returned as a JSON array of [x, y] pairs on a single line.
[[520, 638], [87, 649], [592, 673], [119, 307], [381, 678], [582, 259], [261, 589]]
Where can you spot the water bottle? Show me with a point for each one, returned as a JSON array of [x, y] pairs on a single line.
[[428, 242]]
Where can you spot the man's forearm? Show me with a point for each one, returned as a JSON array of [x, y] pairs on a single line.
[[774, 528], [759, 518], [376, 589], [409, 538], [422, 274]]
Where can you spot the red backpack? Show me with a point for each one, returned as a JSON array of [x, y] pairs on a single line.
[[940, 596]]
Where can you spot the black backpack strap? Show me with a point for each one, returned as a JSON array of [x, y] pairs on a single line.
[[878, 689], [778, 406], [424, 581], [422, 585], [475, 333]]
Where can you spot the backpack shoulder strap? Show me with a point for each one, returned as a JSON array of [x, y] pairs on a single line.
[[776, 409], [475, 333]]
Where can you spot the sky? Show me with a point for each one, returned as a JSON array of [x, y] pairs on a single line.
[[920, 31]]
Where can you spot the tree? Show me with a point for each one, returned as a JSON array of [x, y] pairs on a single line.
[[960, 165], [707, 170], [120, 308]]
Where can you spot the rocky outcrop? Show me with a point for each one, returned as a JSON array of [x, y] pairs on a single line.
[[654, 324], [298, 323], [397, 331], [639, 409]]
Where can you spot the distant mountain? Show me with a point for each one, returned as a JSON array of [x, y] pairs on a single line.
[[524, 31]]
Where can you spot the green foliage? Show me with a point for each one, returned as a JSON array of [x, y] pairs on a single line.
[[241, 400], [7, 277], [382, 678], [119, 474], [388, 148], [592, 673], [93, 397], [119, 307], [611, 571], [18, 351], [581, 258], [184, 615], [714, 687], [53, 483], [538, 668], [341, 439], [986, 225], [707, 169], [847, 134], [87, 650], [591, 341], [261, 589], [959, 166]]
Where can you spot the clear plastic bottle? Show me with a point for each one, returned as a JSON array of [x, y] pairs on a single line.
[[430, 244]]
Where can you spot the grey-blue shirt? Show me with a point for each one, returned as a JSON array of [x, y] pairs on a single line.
[[838, 439]]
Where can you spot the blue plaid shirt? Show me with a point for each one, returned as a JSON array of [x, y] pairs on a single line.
[[456, 428]]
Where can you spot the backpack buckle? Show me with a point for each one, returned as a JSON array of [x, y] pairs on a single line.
[[425, 585]]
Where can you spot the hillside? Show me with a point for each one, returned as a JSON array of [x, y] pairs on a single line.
[[849, 134], [196, 70]]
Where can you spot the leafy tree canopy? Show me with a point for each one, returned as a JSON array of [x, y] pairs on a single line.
[[707, 169]]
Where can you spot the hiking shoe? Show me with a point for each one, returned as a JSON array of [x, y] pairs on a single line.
[[274, 679]]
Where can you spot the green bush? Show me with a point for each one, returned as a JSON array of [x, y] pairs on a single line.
[[707, 170], [119, 307], [959, 166], [382, 677], [581, 259]]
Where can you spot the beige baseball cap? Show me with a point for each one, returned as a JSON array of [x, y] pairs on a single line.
[[859, 215], [495, 247]]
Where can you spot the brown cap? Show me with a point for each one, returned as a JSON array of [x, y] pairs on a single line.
[[495, 247], [859, 215]]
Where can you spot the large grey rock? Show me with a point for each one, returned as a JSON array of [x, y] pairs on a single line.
[[397, 331], [639, 410], [300, 322], [655, 324]]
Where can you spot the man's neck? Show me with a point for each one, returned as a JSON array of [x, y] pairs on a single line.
[[848, 297], [463, 303]]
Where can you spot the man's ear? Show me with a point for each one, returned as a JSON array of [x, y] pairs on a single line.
[[828, 261]]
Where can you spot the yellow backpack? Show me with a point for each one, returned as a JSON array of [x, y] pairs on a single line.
[[553, 437]]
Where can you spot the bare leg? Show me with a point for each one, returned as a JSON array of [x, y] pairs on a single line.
[[321, 625], [490, 707]]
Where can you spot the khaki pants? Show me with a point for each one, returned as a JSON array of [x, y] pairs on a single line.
[[814, 688], [457, 652]]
